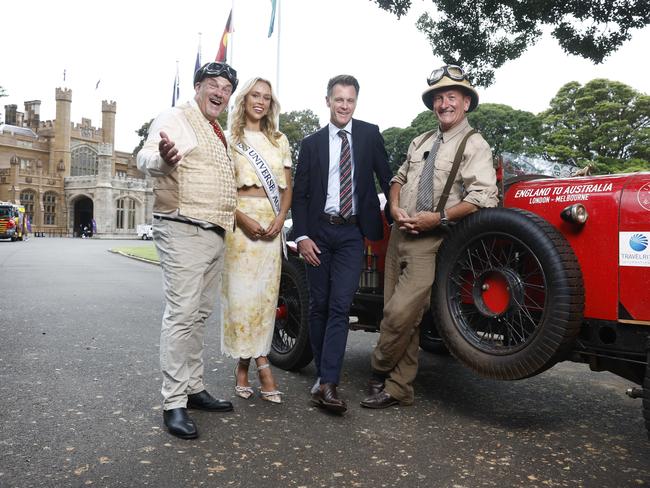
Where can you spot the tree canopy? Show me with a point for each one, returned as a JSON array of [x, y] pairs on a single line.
[[507, 129], [296, 125], [3, 93], [483, 34], [603, 123], [143, 133]]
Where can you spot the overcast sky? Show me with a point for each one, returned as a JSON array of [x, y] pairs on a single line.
[[132, 49]]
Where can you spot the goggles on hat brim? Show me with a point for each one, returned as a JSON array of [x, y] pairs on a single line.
[[214, 69], [452, 71]]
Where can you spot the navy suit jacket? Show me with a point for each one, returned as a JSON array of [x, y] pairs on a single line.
[[310, 180]]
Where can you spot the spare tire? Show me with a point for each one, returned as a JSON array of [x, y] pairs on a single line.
[[430, 339], [508, 296], [290, 347]]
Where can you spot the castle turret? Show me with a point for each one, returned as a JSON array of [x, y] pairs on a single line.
[[60, 159], [108, 122]]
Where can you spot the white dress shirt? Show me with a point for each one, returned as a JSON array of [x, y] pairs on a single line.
[[332, 205]]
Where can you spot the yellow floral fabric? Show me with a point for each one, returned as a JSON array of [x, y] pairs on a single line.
[[250, 287]]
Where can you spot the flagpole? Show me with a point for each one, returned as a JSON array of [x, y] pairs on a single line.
[[199, 51]]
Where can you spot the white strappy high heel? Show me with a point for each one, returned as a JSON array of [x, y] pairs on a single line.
[[274, 396], [244, 392]]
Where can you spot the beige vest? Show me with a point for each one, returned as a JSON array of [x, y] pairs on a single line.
[[203, 185]]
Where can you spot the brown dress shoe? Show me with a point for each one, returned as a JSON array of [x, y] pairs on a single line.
[[379, 400], [328, 399], [374, 386]]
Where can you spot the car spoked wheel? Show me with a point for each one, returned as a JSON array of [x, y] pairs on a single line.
[[508, 295], [503, 308], [290, 348]]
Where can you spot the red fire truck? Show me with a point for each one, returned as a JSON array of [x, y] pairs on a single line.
[[560, 271], [12, 221]]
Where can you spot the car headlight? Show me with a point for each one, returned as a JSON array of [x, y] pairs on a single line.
[[575, 214]]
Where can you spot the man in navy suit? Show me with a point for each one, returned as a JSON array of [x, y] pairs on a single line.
[[335, 205]]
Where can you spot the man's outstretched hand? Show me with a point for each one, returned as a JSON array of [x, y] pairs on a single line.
[[168, 150]]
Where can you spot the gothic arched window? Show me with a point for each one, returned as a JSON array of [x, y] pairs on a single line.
[[84, 161]]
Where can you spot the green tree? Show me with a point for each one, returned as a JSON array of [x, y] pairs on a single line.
[[3, 93], [396, 141], [143, 133], [297, 125], [506, 129], [603, 123], [483, 34]]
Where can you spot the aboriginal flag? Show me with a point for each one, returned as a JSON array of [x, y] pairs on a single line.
[[223, 47]]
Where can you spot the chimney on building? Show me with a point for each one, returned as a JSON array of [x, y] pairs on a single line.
[[10, 114], [33, 114]]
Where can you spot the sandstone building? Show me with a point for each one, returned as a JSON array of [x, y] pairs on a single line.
[[69, 175]]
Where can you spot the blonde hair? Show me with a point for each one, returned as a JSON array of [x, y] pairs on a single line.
[[238, 116]]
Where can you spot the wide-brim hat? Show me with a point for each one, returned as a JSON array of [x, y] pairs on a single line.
[[446, 82]]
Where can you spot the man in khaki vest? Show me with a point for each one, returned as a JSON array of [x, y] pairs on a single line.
[[195, 198], [418, 230]]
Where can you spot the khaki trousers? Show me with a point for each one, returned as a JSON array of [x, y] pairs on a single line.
[[408, 276], [191, 259]]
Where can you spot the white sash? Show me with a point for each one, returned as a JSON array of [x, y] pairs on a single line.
[[269, 184]]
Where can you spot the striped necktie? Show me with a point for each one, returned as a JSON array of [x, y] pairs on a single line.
[[424, 200], [345, 177]]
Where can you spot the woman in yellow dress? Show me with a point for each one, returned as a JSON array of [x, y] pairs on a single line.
[[253, 257]]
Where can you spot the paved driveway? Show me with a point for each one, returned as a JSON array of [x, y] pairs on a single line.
[[80, 403]]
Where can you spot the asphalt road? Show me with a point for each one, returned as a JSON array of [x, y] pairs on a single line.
[[80, 403]]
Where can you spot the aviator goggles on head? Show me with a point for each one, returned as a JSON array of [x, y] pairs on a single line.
[[452, 71], [212, 70]]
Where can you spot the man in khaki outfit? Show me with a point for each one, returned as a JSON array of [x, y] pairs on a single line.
[[195, 198], [418, 230]]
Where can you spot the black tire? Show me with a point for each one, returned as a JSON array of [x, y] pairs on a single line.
[[430, 339], [646, 393], [290, 347], [508, 296]]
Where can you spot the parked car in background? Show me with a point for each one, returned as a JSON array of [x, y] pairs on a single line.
[[145, 231]]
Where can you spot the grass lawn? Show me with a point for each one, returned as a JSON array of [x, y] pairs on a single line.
[[146, 251]]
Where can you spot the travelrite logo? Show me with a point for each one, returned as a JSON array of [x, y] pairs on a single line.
[[638, 242], [633, 249]]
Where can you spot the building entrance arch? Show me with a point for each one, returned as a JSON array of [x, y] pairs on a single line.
[[83, 215]]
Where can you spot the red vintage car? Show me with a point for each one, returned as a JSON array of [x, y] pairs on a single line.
[[559, 272]]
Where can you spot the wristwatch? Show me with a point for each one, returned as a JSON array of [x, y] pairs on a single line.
[[443, 218]]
